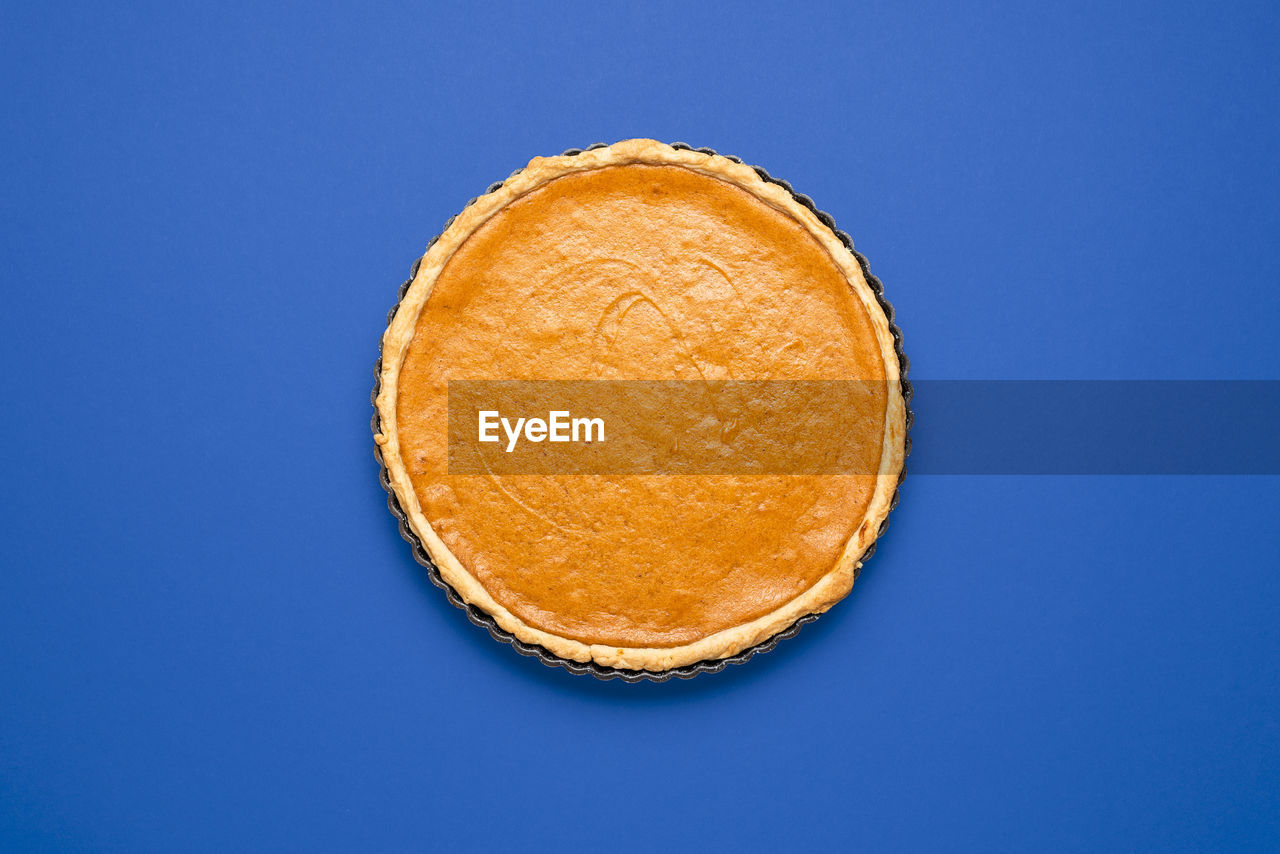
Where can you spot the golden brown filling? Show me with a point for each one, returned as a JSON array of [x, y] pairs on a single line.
[[637, 272]]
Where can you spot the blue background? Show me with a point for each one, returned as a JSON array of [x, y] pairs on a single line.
[[211, 635]]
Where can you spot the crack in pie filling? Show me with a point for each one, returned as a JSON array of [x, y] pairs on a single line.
[[639, 261]]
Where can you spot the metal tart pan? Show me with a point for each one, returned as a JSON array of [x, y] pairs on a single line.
[[485, 621]]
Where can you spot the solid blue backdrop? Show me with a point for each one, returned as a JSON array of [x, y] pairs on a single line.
[[211, 635]]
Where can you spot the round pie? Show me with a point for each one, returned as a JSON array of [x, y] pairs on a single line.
[[639, 261]]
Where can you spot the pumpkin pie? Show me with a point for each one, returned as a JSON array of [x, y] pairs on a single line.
[[697, 263]]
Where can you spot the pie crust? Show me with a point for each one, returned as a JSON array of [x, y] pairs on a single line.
[[724, 641]]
